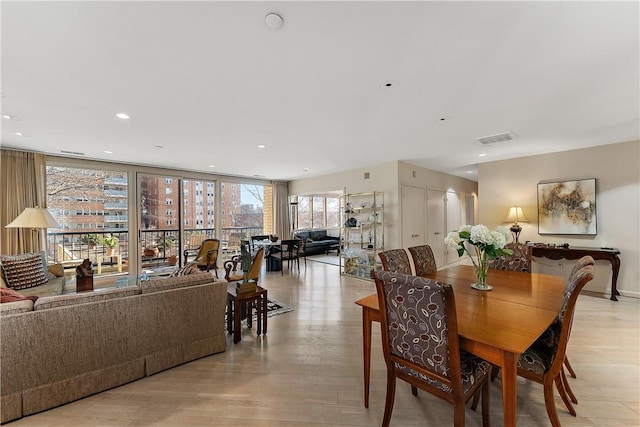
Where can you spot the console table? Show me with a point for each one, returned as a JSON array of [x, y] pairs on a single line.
[[577, 252]]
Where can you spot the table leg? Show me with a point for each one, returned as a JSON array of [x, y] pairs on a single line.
[[258, 303], [229, 315], [264, 313], [237, 318], [366, 352], [509, 387], [248, 313], [615, 269]]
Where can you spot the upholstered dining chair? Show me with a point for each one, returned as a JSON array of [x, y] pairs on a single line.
[[395, 260], [543, 361], [207, 256], [421, 344], [519, 261], [423, 260], [289, 251], [252, 274]]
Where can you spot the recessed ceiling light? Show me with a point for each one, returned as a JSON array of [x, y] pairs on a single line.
[[212, 166], [306, 169], [469, 171], [273, 20], [262, 146], [389, 84], [10, 117], [18, 133], [108, 152], [123, 116], [482, 154], [159, 146]]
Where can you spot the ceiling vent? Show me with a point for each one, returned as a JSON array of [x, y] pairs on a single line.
[[73, 153], [492, 139]]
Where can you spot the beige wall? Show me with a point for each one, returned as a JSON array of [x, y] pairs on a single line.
[[388, 178], [616, 168]]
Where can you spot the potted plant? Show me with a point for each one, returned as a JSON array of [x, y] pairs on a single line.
[[110, 241], [167, 243], [91, 239]]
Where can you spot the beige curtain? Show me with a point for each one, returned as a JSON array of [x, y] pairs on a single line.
[[23, 182], [281, 209]]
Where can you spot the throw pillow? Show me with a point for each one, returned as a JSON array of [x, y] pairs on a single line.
[[23, 271], [9, 295], [184, 271], [56, 269]]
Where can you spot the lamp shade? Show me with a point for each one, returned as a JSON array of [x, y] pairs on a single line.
[[34, 218], [516, 215]]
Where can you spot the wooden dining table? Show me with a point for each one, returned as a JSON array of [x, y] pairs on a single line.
[[497, 325]]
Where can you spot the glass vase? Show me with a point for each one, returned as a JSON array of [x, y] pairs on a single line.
[[482, 268]]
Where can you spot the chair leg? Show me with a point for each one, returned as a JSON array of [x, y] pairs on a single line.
[[563, 394], [391, 395], [567, 387], [414, 390], [549, 402], [474, 402], [569, 368]]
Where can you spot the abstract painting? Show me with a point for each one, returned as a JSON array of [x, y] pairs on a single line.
[[567, 207]]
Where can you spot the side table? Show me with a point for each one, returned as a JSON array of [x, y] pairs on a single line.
[[242, 303]]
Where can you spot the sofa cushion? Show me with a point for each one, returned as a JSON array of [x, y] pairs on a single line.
[[16, 307], [302, 234], [56, 269], [318, 234], [45, 303], [23, 271], [186, 270]]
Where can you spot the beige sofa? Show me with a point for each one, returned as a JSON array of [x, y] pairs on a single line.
[[66, 347]]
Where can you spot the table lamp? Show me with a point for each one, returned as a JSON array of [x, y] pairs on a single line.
[[515, 215], [36, 218]]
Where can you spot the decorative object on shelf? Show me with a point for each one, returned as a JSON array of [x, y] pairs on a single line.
[[486, 244], [84, 276], [567, 207], [516, 214], [351, 222]]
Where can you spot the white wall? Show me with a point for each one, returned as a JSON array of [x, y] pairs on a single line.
[[616, 168]]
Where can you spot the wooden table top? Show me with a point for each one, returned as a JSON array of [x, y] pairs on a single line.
[[510, 317]]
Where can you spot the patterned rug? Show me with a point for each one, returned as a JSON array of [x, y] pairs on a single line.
[[274, 308]]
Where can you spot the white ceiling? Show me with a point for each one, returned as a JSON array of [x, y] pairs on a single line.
[[209, 81]]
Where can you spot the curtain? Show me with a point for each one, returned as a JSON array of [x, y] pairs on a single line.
[[23, 178], [281, 209]]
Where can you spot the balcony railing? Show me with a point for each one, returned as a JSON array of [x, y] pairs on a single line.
[[70, 248]]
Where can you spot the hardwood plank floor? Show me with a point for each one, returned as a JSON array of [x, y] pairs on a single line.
[[308, 372]]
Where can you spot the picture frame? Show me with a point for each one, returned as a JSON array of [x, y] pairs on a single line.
[[567, 207]]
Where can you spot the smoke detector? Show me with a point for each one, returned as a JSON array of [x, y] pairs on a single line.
[[492, 139]]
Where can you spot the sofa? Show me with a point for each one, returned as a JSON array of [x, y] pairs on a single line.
[[317, 241], [65, 347], [52, 276]]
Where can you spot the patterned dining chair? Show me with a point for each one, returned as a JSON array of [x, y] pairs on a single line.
[[543, 361], [423, 260], [422, 347], [519, 261], [395, 260]]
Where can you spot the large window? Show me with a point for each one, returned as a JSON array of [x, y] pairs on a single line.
[[247, 209], [92, 209], [317, 211]]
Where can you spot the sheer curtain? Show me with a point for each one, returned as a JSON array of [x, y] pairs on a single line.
[[23, 182], [281, 209]]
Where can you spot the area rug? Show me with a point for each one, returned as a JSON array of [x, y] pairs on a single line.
[[274, 308]]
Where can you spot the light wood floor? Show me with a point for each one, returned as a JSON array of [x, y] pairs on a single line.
[[308, 372]]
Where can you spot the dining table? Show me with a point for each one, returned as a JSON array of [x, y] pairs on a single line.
[[497, 325]]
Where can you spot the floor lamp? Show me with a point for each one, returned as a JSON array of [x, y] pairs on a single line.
[[37, 219]]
